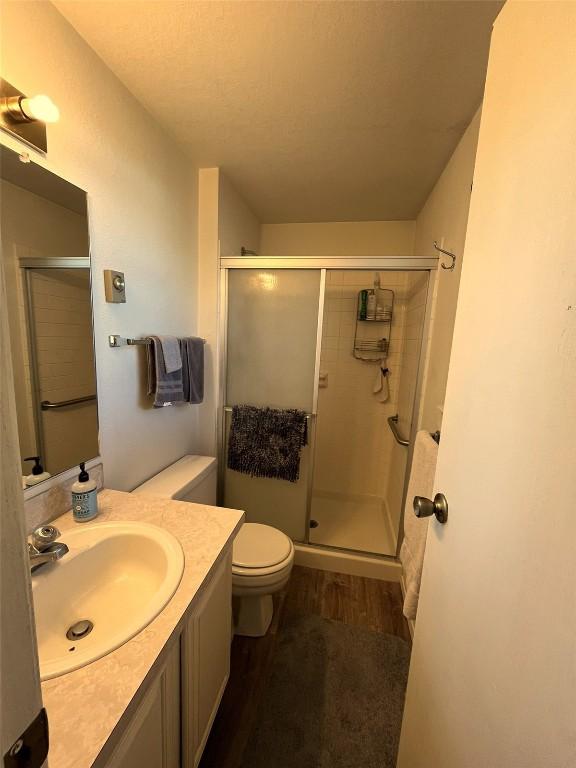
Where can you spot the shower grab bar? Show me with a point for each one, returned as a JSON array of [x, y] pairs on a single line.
[[393, 424], [46, 405]]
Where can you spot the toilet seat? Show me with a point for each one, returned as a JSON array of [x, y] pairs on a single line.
[[254, 573], [260, 547]]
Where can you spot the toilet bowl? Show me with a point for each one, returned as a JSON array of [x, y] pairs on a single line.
[[262, 557], [262, 561]]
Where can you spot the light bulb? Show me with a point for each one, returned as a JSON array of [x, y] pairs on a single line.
[[265, 281], [41, 108]]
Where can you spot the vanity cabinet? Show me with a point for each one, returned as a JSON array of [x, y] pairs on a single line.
[[152, 736], [206, 662], [170, 726]]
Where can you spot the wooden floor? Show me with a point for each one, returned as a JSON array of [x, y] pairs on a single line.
[[370, 603]]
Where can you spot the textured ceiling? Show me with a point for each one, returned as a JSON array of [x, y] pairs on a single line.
[[317, 111]]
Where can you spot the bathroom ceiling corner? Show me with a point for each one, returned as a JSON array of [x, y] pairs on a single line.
[[317, 111]]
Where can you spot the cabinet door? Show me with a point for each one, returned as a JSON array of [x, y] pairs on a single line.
[[206, 661], [152, 736]]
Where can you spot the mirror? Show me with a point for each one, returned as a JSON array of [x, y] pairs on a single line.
[[46, 262]]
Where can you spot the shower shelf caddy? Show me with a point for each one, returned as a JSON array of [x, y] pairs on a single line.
[[372, 334]]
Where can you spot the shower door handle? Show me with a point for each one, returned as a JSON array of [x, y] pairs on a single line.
[[424, 507]]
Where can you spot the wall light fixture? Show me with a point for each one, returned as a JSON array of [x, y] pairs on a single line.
[[26, 116]]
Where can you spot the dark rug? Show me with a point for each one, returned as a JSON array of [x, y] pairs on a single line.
[[334, 698]]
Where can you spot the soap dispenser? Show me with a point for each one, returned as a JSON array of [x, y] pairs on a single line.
[[84, 497], [37, 474]]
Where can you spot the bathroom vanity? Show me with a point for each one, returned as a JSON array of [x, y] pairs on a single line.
[[151, 702]]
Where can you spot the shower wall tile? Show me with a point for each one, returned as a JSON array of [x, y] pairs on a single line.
[[353, 440]]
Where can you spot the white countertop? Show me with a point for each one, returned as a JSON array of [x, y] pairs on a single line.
[[85, 706]]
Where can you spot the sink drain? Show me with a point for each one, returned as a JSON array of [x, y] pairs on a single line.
[[80, 629]]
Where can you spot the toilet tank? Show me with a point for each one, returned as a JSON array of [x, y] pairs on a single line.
[[191, 478]]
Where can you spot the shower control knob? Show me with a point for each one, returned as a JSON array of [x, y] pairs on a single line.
[[424, 507]]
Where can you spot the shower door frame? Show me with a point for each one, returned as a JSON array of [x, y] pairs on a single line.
[[323, 264]]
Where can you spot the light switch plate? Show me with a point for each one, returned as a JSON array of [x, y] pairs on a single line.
[[114, 286]]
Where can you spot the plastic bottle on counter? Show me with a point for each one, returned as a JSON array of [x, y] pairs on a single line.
[[84, 497]]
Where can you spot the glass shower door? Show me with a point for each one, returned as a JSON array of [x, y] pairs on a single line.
[[273, 317]]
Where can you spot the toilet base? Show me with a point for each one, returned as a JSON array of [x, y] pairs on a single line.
[[252, 615]]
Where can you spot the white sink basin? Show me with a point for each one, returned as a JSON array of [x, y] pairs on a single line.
[[118, 576]]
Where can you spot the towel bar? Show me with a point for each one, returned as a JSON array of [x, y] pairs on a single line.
[[119, 341], [228, 409]]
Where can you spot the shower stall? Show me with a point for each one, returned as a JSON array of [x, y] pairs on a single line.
[[342, 340]]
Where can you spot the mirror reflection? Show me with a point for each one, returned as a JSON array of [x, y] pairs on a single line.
[[45, 257]]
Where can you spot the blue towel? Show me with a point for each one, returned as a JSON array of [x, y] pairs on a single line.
[[171, 353], [166, 387], [192, 353]]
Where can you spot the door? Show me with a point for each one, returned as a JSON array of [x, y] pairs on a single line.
[[493, 675], [273, 317]]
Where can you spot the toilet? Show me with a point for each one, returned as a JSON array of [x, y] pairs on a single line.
[[262, 556]]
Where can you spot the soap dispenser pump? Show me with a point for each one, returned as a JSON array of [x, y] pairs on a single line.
[[38, 474], [84, 499]]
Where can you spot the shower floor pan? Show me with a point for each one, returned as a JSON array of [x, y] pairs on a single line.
[[359, 523]]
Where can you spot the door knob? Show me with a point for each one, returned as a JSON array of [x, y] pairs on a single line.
[[424, 507]]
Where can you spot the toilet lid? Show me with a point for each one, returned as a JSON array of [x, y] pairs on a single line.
[[260, 546]]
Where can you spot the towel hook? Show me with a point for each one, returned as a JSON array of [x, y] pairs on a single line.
[[446, 253]]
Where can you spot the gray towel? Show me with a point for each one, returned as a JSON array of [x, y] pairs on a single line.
[[171, 353], [192, 353], [266, 442], [166, 387]]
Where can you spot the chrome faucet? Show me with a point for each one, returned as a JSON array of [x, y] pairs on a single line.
[[44, 548]]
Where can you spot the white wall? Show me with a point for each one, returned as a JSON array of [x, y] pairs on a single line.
[[338, 238], [444, 218], [237, 225], [225, 224], [208, 181], [142, 217]]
